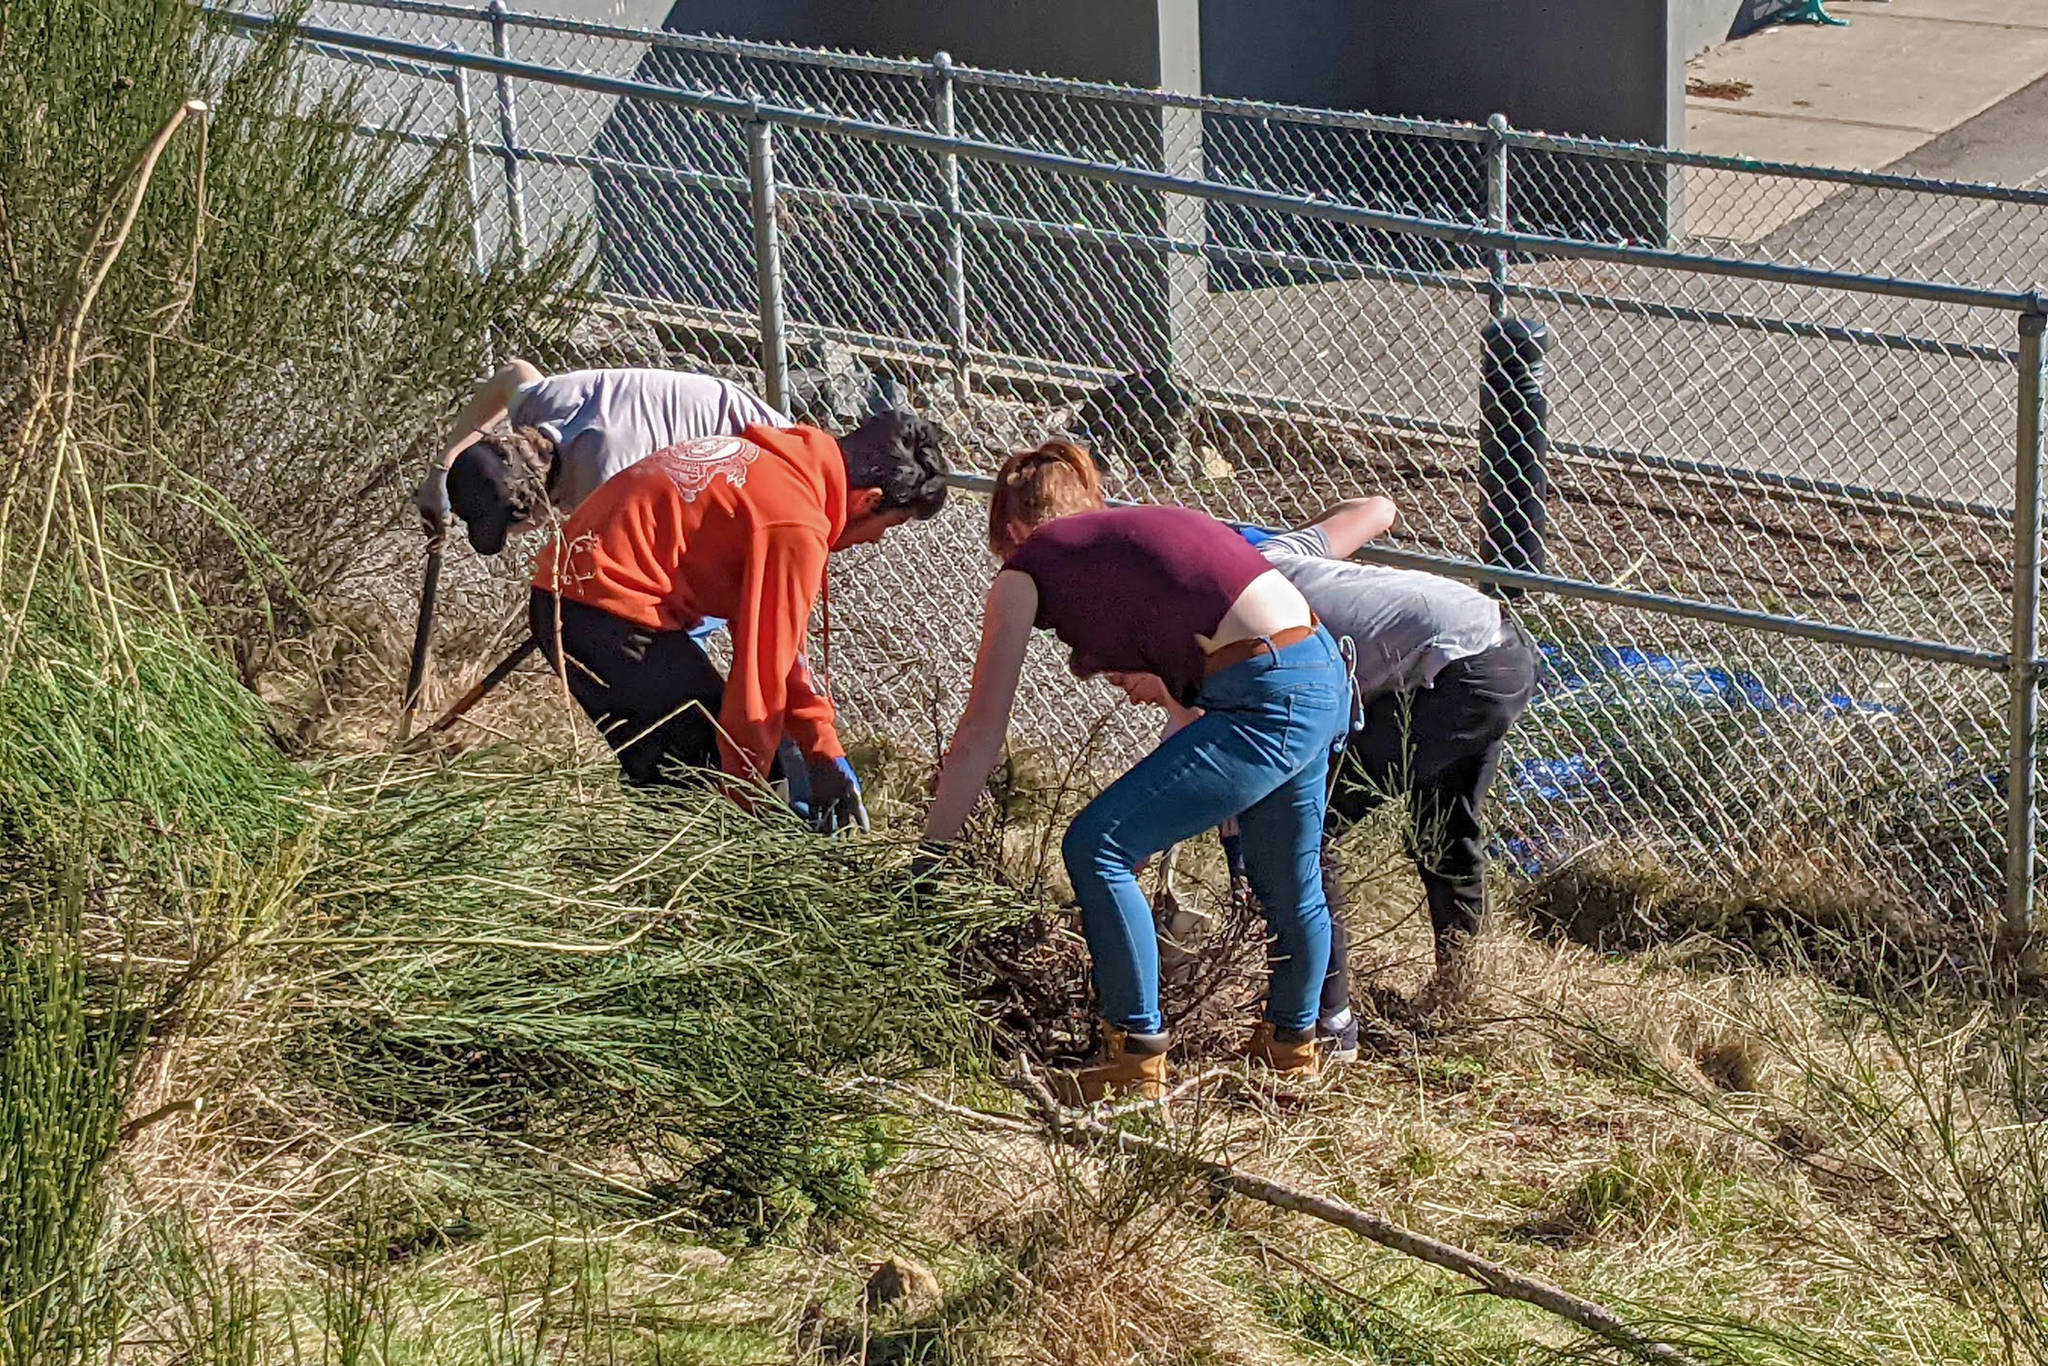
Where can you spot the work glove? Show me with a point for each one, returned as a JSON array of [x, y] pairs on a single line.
[[796, 778], [1254, 535], [835, 797], [432, 501], [925, 864]]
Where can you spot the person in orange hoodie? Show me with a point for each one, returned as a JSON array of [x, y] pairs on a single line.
[[738, 528]]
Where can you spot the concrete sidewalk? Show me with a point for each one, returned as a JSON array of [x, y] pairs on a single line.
[[1899, 76]]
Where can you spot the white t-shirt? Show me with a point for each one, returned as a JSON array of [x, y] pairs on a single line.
[[601, 421]]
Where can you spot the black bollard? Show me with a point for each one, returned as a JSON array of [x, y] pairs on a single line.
[[1514, 446]]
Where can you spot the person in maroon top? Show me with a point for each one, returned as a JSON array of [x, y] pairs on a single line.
[[1165, 602]]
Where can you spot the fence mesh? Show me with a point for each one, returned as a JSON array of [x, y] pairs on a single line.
[[1809, 452]]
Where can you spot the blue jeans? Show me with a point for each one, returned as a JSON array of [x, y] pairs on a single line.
[[1260, 752]]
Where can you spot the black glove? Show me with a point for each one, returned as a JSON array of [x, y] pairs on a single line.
[[926, 863], [835, 797], [431, 499]]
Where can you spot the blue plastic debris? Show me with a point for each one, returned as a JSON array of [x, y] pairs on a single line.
[[1651, 679], [1554, 780], [1757, 14], [1627, 679]]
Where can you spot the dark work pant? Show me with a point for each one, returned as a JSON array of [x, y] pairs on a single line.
[[654, 695], [1438, 747]]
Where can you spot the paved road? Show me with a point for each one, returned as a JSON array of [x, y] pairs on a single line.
[[1989, 243]]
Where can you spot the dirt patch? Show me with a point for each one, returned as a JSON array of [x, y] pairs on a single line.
[[1703, 89]]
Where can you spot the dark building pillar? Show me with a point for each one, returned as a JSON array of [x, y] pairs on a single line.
[[1594, 68], [1088, 303]]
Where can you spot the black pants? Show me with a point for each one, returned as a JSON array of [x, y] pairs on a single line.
[[1438, 747], [654, 695]]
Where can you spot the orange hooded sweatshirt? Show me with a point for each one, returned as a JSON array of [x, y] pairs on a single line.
[[732, 527]]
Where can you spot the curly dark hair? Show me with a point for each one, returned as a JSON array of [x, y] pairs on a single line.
[[901, 454], [529, 455]]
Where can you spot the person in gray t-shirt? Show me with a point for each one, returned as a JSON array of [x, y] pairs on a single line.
[[1441, 675], [569, 433], [1406, 625]]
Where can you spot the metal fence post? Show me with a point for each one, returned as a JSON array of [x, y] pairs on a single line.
[[1514, 446], [508, 131], [768, 264], [2021, 808], [956, 227], [465, 129], [1497, 212]]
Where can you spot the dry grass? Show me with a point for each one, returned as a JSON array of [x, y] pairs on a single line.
[[1060, 1259], [1674, 1130], [1689, 1131], [1582, 1123], [1679, 1131]]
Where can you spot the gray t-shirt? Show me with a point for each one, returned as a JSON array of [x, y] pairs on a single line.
[[1405, 624], [604, 420]]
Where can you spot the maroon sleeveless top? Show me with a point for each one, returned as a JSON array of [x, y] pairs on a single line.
[[1129, 589]]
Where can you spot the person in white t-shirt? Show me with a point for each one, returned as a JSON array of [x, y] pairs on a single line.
[[568, 433]]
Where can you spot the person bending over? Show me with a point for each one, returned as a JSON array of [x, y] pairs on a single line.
[[1441, 674], [568, 433], [738, 528], [1163, 597]]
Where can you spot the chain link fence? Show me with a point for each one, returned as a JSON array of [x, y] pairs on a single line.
[[1782, 580]]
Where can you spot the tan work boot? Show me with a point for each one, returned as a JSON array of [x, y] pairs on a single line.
[[1290, 1052], [1128, 1064]]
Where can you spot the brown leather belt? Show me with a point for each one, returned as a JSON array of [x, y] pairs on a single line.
[[1238, 651]]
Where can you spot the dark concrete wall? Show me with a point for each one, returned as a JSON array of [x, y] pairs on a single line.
[[1609, 68], [1096, 40], [1562, 66], [1068, 300], [1606, 68], [1313, 52]]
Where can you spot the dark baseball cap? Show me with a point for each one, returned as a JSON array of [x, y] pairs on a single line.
[[480, 493]]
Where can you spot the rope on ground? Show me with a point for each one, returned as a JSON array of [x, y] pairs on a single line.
[[1078, 1129]]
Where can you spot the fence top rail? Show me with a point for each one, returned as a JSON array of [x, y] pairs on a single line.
[[1464, 234], [1911, 647], [420, 71], [1649, 154], [827, 58], [1106, 92]]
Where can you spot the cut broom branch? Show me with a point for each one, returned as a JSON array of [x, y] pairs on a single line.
[[1082, 1131]]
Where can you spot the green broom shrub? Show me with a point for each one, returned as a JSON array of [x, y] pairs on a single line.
[[534, 951]]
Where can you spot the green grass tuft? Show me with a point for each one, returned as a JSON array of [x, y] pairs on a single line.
[[158, 741]]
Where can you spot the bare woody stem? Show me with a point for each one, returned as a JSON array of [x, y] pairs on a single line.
[[1077, 1130]]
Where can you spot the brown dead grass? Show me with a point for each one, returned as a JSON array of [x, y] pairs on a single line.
[[1805, 905], [1665, 1130]]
